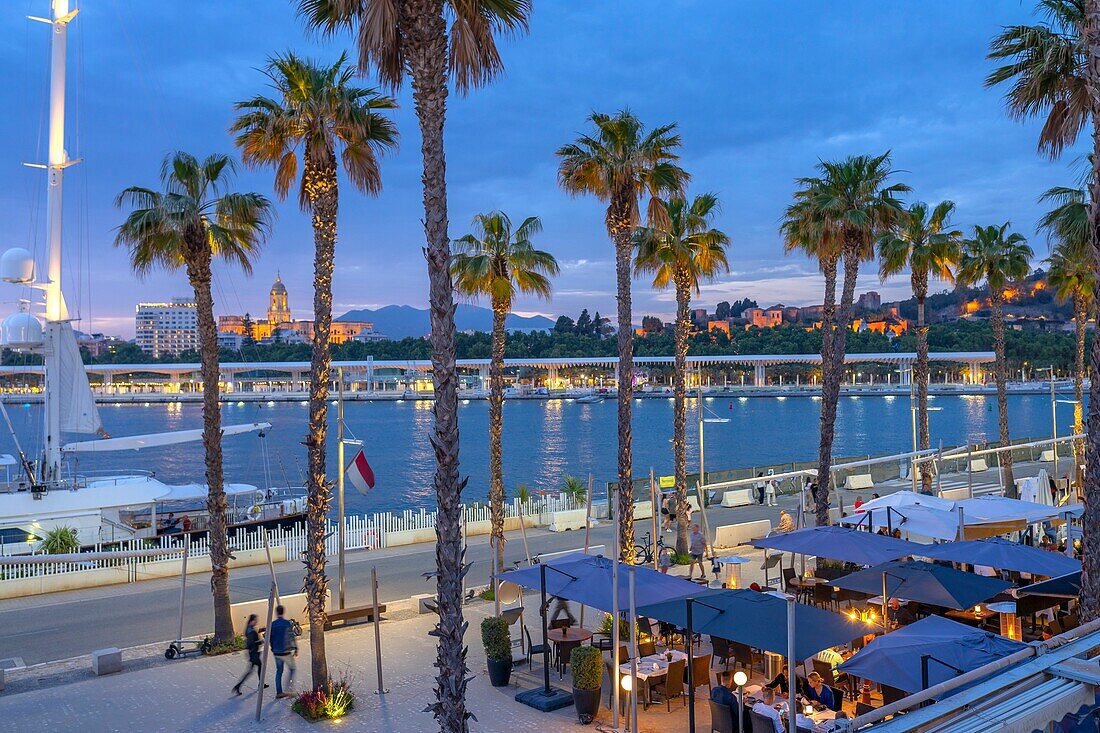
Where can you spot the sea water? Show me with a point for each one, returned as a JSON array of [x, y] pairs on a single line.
[[544, 440]]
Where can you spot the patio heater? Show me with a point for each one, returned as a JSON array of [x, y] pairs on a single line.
[[1011, 624]]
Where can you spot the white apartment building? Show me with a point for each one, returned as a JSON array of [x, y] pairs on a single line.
[[164, 329]]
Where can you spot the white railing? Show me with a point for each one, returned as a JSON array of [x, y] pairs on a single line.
[[361, 532]]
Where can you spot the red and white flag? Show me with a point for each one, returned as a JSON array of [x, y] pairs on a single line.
[[360, 474]]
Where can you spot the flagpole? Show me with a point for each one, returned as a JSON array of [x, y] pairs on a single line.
[[340, 479]]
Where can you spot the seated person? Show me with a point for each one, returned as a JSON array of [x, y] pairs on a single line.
[[722, 692], [171, 524], [780, 682], [819, 692], [899, 614], [766, 708]]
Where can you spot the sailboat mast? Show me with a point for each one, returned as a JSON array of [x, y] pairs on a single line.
[[55, 303]]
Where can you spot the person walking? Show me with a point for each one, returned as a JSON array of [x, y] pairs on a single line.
[[770, 491], [252, 646], [760, 484], [697, 549], [284, 645]]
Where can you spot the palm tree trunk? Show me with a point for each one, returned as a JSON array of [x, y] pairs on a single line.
[[1080, 321], [1000, 372], [920, 378], [679, 412], [322, 190], [496, 427], [828, 311], [1090, 522], [217, 506], [832, 372], [620, 227], [425, 32]]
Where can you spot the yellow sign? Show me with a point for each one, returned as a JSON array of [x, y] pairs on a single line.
[[667, 482]]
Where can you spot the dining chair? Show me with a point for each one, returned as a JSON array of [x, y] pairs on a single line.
[[863, 708], [891, 694], [672, 685], [700, 673], [721, 650], [721, 718], [647, 648], [761, 722], [532, 649]]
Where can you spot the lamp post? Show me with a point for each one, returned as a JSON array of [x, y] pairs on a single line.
[[913, 423], [740, 679]]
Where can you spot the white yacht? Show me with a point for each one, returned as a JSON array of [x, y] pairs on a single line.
[[44, 492]]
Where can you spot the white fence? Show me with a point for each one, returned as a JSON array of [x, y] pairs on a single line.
[[363, 532]]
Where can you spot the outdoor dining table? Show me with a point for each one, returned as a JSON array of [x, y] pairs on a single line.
[[970, 617], [817, 716], [653, 667], [565, 640]]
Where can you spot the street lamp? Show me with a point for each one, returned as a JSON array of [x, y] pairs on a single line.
[[739, 679], [913, 422]]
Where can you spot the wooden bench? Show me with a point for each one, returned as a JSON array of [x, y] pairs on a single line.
[[859, 482], [352, 614]]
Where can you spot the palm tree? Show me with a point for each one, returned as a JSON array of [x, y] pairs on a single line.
[[1053, 67], [806, 231], [619, 162], [1072, 276], [681, 251], [431, 40], [499, 263], [853, 199], [997, 257], [924, 244], [195, 218], [317, 113]]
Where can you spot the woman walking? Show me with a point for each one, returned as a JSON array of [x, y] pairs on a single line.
[[252, 645]]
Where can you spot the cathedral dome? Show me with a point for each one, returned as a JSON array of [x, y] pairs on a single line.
[[278, 288]]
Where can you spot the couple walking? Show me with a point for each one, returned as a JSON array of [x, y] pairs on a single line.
[[284, 645]]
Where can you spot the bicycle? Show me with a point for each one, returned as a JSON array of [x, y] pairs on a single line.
[[643, 551]]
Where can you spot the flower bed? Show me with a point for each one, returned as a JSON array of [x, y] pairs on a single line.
[[330, 703]]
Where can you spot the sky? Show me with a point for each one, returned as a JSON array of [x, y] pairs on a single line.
[[761, 92]]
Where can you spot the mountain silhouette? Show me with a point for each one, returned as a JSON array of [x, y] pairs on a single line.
[[401, 321]]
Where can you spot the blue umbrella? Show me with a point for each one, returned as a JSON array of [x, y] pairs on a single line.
[[997, 552], [587, 579], [841, 543], [759, 620], [936, 585], [1066, 586], [928, 652]]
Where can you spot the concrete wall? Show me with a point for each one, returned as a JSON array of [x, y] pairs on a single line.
[[294, 604]]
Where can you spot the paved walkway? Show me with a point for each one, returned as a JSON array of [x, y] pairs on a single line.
[[194, 694]]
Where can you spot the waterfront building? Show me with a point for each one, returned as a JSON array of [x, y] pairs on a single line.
[[280, 326], [167, 329]]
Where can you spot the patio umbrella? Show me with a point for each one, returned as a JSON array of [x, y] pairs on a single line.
[[928, 652], [997, 552], [758, 619], [590, 580], [936, 585], [1066, 586], [587, 579], [840, 543]]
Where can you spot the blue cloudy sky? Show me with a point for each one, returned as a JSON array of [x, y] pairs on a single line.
[[761, 91]]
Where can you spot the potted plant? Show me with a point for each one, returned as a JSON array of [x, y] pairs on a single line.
[[498, 650], [587, 665]]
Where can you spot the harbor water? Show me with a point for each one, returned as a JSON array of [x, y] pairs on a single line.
[[544, 440]]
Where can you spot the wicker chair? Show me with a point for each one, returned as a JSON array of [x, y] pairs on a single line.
[[673, 683]]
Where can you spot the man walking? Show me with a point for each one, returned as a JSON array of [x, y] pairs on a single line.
[[284, 645], [697, 549], [252, 645]]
